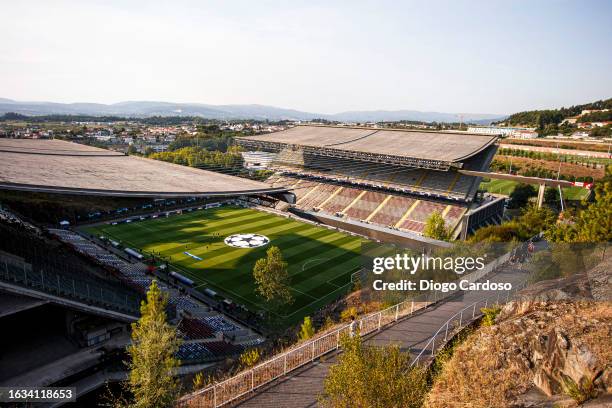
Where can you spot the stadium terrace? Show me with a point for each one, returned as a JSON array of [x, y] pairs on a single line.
[[433, 150], [392, 178]]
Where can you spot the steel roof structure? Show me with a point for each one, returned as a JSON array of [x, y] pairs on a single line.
[[424, 149], [57, 166]]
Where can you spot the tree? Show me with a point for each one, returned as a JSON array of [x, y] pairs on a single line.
[[531, 221], [534, 220], [551, 195], [373, 377], [307, 330], [435, 227], [152, 354], [272, 279], [594, 223], [521, 194], [132, 149]]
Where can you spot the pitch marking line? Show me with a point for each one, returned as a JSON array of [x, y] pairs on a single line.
[[312, 260], [305, 294]]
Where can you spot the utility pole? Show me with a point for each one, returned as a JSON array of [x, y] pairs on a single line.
[[558, 171]]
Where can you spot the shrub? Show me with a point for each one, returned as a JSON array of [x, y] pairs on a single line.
[[346, 314], [373, 377], [329, 323], [250, 357], [307, 330], [579, 393], [490, 313]]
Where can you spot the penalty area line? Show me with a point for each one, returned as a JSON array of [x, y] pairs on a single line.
[[312, 260]]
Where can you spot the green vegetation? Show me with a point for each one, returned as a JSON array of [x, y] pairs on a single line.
[[223, 158], [307, 330], [489, 315], [605, 131], [593, 224], [548, 121], [204, 123], [272, 280], [435, 227], [530, 222], [219, 142], [505, 187], [563, 158], [495, 186], [560, 144], [198, 381], [250, 357], [580, 393], [320, 260], [200, 157], [348, 313], [373, 377], [152, 362], [551, 195], [604, 116], [521, 194], [534, 168]]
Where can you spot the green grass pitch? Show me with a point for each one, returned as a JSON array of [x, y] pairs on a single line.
[[320, 260]]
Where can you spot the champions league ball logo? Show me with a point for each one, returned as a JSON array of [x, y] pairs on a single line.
[[246, 240]]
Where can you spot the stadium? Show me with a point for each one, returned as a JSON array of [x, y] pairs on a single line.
[[365, 179], [199, 234]]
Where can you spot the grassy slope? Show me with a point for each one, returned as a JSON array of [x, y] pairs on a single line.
[[320, 260]]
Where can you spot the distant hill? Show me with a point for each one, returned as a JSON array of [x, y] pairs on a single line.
[[546, 117], [392, 116], [259, 112]]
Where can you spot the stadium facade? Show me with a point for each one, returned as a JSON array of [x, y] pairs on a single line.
[[395, 179]]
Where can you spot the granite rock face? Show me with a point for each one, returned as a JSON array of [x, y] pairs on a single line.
[[551, 347]]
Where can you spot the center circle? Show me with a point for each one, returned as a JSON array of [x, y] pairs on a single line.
[[246, 240]]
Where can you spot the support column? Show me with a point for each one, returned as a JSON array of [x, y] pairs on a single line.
[[541, 195]]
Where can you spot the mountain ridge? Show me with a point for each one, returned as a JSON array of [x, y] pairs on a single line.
[[230, 111]]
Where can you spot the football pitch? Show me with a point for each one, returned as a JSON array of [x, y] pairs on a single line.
[[320, 260]]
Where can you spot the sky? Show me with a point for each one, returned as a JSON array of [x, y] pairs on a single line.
[[457, 56]]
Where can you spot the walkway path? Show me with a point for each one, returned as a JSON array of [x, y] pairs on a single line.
[[301, 388]]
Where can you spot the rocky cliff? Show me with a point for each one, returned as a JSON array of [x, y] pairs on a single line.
[[551, 347]]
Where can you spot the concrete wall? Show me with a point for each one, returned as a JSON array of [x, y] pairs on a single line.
[[412, 241]]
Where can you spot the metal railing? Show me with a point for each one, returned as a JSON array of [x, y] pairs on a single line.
[[458, 321], [243, 383]]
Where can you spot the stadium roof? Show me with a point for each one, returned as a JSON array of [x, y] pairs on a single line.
[[64, 167], [442, 147]]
